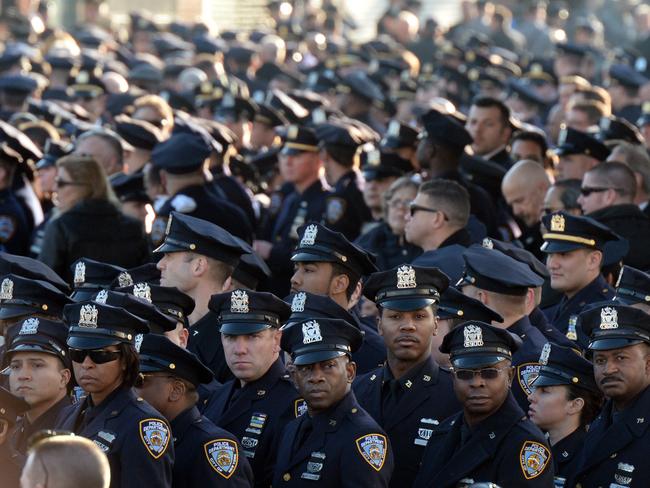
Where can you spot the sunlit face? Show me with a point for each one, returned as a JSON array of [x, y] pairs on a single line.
[[312, 277], [37, 377], [300, 168], [176, 270], [408, 335], [487, 129], [481, 397], [69, 192], [621, 374], [524, 149], [569, 270], [250, 356]]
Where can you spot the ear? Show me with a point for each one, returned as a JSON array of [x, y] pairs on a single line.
[[483, 297], [339, 284], [575, 406], [227, 284], [380, 331], [595, 260], [199, 266], [176, 391], [435, 325], [277, 338], [511, 375], [65, 377], [183, 337], [351, 370]]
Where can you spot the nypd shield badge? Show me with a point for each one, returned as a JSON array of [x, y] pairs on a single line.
[[372, 448], [155, 436], [533, 459], [526, 374], [299, 407], [223, 456], [335, 209]]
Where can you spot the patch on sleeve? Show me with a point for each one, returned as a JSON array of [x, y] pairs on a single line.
[[158, 230], [299, 407], [7, 227], [155, 436], [526, 374], [223, 456], [372, 448], [335, 209], [533, 459]]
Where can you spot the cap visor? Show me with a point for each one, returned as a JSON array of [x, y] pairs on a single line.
[[477, 361], [146, 367], [406, 304], [316, 357], [612, 343], [87, 342], [32, 348], [83, 295], [290, 151], [303, 256], [551, 247], [242, 329], [10, 312], [167, 247], [548, 380]]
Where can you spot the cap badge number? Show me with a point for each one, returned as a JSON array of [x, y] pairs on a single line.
[[608, 318], [7, 289], [30, 326], [88, 316], [142, 290], [557, 223], [546, 352], [473, 336], [239, 302], [309, 237], [311, 332], [406, 277], [298, 302]]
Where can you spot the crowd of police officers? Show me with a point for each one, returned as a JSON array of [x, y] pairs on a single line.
[[415, 261]]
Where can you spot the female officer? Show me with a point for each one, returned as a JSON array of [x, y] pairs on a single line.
[[564, 401], [135, 437]]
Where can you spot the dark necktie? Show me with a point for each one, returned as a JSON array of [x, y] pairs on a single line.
[[304, 430], [392, 390]]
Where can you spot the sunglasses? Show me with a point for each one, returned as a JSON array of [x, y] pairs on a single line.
[[586, 191], [97, 356], [484, 373], [414, 208]]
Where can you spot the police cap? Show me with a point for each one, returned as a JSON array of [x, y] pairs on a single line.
[[31, 268], [38, 335], [456, 305], [566, 232], [20, 296], [475, 344], [612, 326], [247, 312], [168, 299], [159, 323], [159, 354], [633, 286], [572, 141], [564, 366]]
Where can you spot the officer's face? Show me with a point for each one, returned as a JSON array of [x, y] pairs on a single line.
[[398, 207], [574, 166], [326, 383], [408, 335], [522, 149], [486, 128], [250, 356], [99, 379], [419, 226], [590, 202], [526, 200], [155, 389], [482, 397], [312, 277], [39, 378], [374, 190], [621, 374], [300, 168], [176, 270], [550, 406], [571, 271]]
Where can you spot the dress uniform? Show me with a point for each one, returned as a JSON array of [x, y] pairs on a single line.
[[564, 366], [257, 411], [206, 455], [90, 277], [134, 436], [12, 407], [566, 233], [614, 450], [407, 408], [341, 446], [505, 448], [498, 273], [185, 233], [633, 286]]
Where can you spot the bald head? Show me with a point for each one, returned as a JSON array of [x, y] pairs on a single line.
[[524, 187]]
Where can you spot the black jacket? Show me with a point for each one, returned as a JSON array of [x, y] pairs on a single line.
[[94, 229], [390, 250]]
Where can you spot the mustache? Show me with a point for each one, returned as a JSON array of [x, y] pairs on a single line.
[[608, 379]]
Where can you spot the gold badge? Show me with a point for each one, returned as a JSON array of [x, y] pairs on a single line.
[[608, 318], [83, 78], [142, 290], [557, 223], [473, 336], [239, 302], [7, 289], [80, 273], [406, 277], [88, 316]]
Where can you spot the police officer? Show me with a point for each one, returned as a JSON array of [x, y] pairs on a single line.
[[14, 223], [336, 443], [410, 394], [206, 455], [326, 263], [633, 288], [199, 258], [10, 410], [259, 402], [91, 277], [502, 283], [575, 246], [564, 401], [491, 439], [134, 436], [612, 454]]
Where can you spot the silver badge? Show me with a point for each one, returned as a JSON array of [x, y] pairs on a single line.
[[298, 302], [88, 316], [546, 352], [406, 277], [561, 139], [473, 336], [80, 273], [138, 341], [608, 318], [239, 302], [7, 289], [142, 290], [311, 332], [393, 129], [487, 243], [102, 296], [309, 237], [30, 326], [605, 123], [124, 279]]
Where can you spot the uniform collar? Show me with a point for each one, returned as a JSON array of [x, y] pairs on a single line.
[[331, 418], [183, 421], [426, 372], [521, 327]]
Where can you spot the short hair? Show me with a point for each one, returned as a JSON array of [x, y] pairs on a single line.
[[88, 172], [489, 102], [110, 138], [158, 104], [570, 193], [450, 197], [532, 136], [593, 108], [71, 460], [637, 158], [619, 175], [339, 269], [219, 271]]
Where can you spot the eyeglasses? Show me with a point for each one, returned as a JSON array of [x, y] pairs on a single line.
[[414, 207], [399, 203], [142, 378], [62, 183], [586, 191], [97, 356], [484, 373]]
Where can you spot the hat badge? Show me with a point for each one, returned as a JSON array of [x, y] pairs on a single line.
[[292, 132], [88, 316], [239, 302], [605, 123], [30, 326], [557, 223], [374, 157], [311, 332], [169, 225], [7, 289], [561, 139], [487, 243], [102, 296], [80, 273], [393, 129], [138, 341], [298, 302], [83, 77], [309, 237], [142, 290], [473, 336], [608, 318], [546, 352], [406, 277], [124, 279]]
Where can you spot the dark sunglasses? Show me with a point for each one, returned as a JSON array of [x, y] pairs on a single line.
[[485, 373], [586, 191], [62, 183], [414, 207], [97, 356]]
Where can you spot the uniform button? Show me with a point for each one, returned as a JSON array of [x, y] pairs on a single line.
[[613, 455], [355, 410], [286, 477]]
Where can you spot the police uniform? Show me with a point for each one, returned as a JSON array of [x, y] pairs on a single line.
[[256, 412], [342, 446], [614, 450], [409, 407], [206, 455], [134, 436], [564, 366], [320, 244], [15, 227], [389, 248], [497, 272], [566, 233], [505, 448], [185, 233], [633, 286], [11, 407]]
